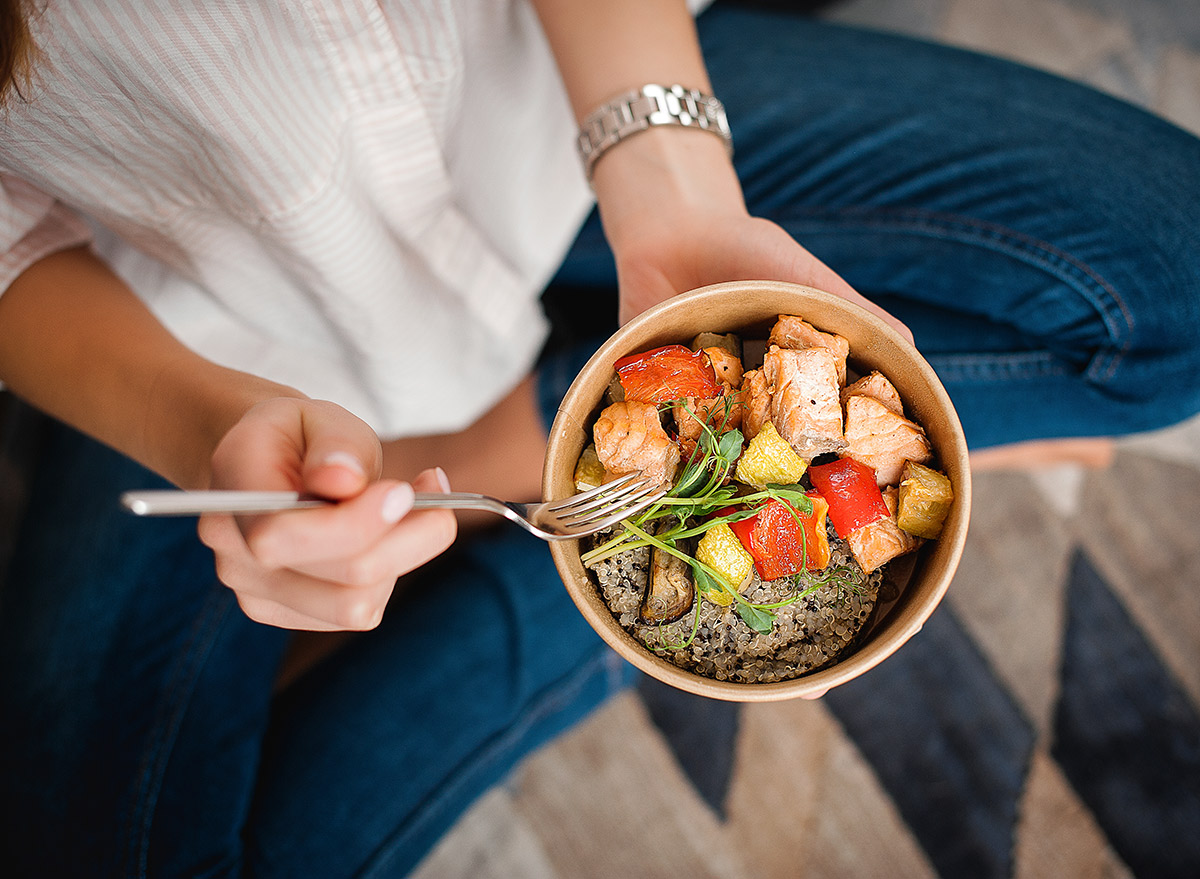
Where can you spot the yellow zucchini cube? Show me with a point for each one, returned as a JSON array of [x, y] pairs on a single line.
[[721, 550], [589, 472], [769, 458], [925, 499]]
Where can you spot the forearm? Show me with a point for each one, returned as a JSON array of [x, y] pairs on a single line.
[[78, 344], [604, 49], [607, 48]]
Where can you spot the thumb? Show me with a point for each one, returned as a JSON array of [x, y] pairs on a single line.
[[811, 271], [342, 454]]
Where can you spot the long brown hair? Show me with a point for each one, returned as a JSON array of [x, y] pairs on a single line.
[[17, 50]]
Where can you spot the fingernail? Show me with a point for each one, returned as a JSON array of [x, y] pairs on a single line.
[[440, 475], [396, 503], [344, 459]]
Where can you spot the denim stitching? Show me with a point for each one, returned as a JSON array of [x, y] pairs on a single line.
[[165, 728], [552, 699], [1000, 367], [1085, 280]]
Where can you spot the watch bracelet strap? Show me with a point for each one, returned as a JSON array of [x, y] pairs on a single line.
[[641, 108]]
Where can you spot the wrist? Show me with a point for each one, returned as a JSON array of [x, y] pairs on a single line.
[[649, 106], [661, 174]]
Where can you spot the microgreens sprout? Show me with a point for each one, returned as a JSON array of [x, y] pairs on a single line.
[[840, 576]]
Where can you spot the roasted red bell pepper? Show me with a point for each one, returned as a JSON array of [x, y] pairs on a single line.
[[849, 487], [785, 541], [668, 373]]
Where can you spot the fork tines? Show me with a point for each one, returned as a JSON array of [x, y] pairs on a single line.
[[609, 503]]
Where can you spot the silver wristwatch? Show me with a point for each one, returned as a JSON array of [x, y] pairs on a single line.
[[641, 108]]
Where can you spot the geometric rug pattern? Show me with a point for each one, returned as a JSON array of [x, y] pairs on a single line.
[[1125, 734], [948, 743]]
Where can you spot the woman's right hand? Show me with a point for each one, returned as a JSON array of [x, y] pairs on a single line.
[[326, 569]]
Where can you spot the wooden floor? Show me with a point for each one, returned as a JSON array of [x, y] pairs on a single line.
[[1044, 724]]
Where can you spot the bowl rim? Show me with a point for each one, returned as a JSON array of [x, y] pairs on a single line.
[[892, 631]]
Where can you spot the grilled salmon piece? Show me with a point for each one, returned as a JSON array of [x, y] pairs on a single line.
[[805, 405], [883, 440], [755, 399], [727, 366], [721, 413], [791, 331], [876, 386], [877, 544], [629, 438]]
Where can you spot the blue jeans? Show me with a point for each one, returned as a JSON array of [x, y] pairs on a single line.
[[1040, 239]]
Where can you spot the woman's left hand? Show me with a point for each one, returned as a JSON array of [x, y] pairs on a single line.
[[674, 214]]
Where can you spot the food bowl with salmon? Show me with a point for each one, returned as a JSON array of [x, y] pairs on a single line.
[[818, 490]]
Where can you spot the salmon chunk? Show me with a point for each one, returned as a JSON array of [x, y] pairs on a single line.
[[791, 331], [728, 367], [721, 413], [630, 438], [805, 405], [883, 440], [756, 403], [876, 386], [877, 544]]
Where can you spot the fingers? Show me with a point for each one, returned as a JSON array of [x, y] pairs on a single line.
[[296, 444], [708, 249], [835, 284], [423, 536], [342, 454], [329, 568], [347, 528], [332, 568]]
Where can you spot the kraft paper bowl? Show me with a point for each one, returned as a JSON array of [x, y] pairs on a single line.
[[750, 308]]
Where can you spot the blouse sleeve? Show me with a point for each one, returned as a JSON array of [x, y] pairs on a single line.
[[33, 225]]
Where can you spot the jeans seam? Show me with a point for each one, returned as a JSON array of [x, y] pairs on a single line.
[[1100, 293], [165, 728], [551, 699], [999, 367]]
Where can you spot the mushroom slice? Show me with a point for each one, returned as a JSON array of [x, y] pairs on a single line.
[[670, 591]]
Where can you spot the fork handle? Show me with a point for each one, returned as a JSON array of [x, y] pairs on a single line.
[[195, 503]]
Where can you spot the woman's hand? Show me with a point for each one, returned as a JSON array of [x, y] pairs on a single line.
[[325, 569], [674, 214]]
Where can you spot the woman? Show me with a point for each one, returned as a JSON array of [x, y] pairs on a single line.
[[301, 246]]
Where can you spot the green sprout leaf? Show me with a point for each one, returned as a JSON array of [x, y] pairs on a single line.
[[796, 495], [730, 445], [705, 584], [691, 480], [758, 620]]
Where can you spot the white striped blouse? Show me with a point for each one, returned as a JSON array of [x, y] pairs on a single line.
[[361, 199]]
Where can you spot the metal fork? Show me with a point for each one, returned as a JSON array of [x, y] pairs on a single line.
[[576, 516]]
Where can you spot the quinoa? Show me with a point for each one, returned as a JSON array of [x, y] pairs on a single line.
[[807, 634]]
